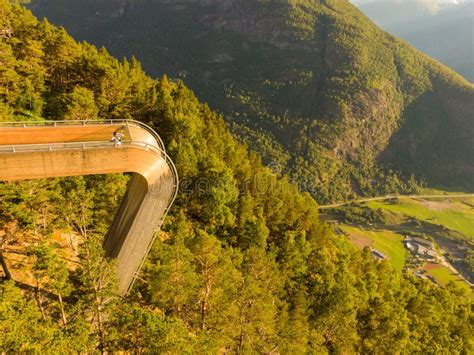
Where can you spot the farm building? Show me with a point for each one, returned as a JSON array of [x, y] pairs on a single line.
[[421, 248], [378, 254], [424, 242]]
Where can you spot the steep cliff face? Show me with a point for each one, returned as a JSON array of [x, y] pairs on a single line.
[[313, 78], [438, 135]]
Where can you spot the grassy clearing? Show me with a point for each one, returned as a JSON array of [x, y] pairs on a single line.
[[443, 275], [389, 243], [454, 215], [434, 191]]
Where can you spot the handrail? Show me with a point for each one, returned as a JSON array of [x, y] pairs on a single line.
[[63, 123], [47, 147], [28, 148], [62, 146]]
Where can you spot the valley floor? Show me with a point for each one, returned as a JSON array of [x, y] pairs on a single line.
[[429, 236]]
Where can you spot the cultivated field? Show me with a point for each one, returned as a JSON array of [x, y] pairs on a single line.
[[443, 275], [389, 243], [457, 215]]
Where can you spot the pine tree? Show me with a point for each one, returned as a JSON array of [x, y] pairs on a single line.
[[8, 229], [257, 301], [141, 330], [173, 281], [51, 273], [96, 289], [21, 326], [219, 281], [75, 204], [80, 105]]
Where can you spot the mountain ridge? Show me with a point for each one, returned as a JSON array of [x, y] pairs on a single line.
[[313, 86]]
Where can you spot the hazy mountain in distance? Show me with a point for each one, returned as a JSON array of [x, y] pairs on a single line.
[[443, 29]]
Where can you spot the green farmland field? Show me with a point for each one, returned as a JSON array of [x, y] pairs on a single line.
[[389, 243], [455, 215], [443, 275]]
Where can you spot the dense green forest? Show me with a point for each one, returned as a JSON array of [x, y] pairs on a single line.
[[242, 266], [312, 85]]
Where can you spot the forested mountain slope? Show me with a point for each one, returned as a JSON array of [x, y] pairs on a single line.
[[243, 264], [314, 86]]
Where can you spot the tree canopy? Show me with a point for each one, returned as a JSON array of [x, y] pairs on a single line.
[[242, 264]]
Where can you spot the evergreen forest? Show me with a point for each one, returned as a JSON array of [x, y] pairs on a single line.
[[242, 264]]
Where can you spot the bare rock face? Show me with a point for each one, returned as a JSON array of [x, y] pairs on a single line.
[[257, 23]]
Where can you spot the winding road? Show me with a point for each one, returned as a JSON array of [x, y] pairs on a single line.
[[34, 150], [388, 197]]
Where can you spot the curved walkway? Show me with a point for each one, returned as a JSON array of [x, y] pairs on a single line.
[[33, 150]]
